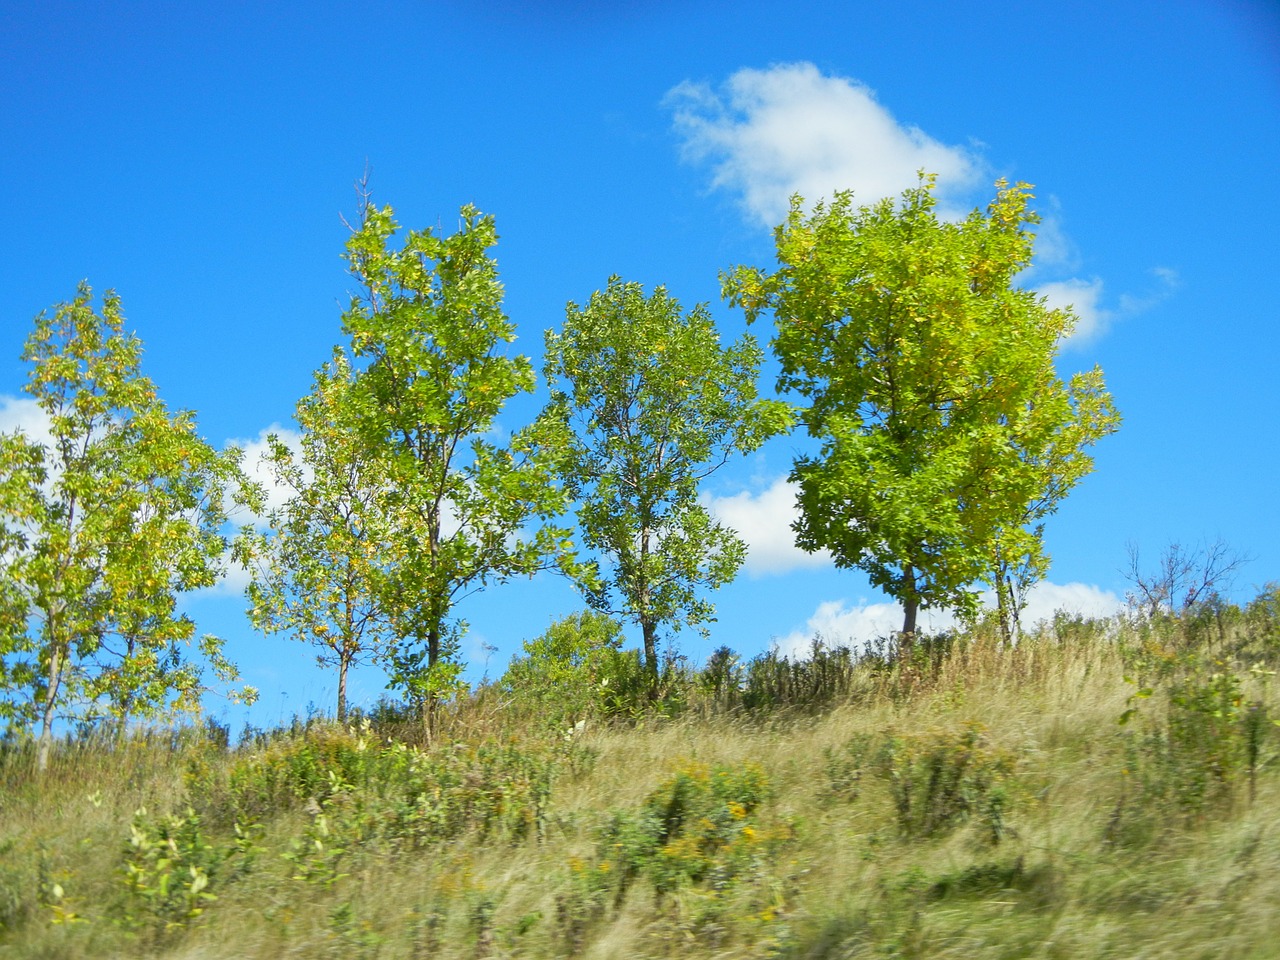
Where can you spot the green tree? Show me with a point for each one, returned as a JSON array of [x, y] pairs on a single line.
[[320, 572], [946, 434], [561, 675], [462, 510], [104, 525], [648, 404]]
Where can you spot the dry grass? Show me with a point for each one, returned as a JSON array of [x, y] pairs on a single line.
[[1087, 861]]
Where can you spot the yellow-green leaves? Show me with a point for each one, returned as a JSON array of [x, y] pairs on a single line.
[[648, 403], [947, 435], [122, 509], [431, 374]]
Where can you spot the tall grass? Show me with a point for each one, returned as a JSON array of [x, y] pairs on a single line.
[[969, 800]]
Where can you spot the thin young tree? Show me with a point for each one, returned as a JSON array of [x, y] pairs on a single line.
[[462, 510], [946, 434], [319, 570], [121, 510], [649, 403]]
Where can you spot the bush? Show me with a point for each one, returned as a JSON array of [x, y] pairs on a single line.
[[700, 826], [942, 780], [1196, 758], [564, 675], [775, 681]]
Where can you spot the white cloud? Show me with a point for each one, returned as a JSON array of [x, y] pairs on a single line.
[[1085, 297], [257, 469], [790, 129], [838, 623], [234, 581], [763, 520], [19, 413], [1053, 247], [1045, 599]]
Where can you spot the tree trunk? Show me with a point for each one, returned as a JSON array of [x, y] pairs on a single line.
[[50, 701], [910, 607], [1004, 604], [431, 705], [650, 631], [343, 663]]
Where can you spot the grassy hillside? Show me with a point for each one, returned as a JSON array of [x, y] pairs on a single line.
[[964, 801]]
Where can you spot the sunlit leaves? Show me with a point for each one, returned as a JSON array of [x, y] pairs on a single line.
[[102, 528], [946, 434], [460, 510], [320, 569], [647, 403]]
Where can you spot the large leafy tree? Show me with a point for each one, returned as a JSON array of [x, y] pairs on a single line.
[[319, 570], [461, 509], [650, 403], [104, 524], [946, 434]]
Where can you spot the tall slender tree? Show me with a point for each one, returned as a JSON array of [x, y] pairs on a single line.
[[461, 509], [104, 525], [320, 572], [649, 404], [946, 434]]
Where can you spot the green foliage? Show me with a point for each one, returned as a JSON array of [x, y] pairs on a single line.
[[168, 869], [942, 780], [646, 404], [570, 672], [101, 527], [320, 574], [459, 509], [864, 829], [1262, 623], [843, 767], [774, 681], [383, 796], [946, 434], [1201, 755], [700, 826]]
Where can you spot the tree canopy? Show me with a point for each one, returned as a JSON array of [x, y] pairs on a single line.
[[946, 434], [461, 509], [122, 509], [319, 573], [648, 403]]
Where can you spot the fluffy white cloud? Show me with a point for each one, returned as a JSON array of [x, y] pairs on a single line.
[[790, 129], [257, 469], [20, 413], [763, 520], [1084, 296], [838, 623], [1046, 599]]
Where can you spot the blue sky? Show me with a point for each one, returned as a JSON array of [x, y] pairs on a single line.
[[197, 158]]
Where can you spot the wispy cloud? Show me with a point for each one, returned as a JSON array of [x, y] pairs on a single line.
[[255, 465], [1087, 298], [837, 622], [768, 134], [763, 520]]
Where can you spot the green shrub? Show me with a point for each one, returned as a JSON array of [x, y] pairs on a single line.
[[700, 826], [944, 779], [168, 870], [774, 681], [1197, 757], [564, 674]]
